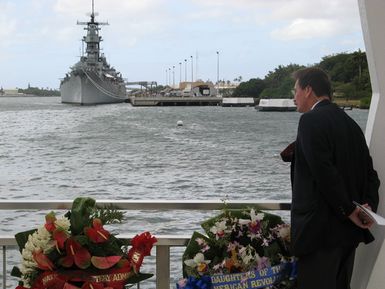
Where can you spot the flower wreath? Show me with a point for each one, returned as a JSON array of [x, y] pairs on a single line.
[[243, 249], [76, 251]]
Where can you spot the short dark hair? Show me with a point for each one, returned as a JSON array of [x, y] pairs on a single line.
[[316, 78]]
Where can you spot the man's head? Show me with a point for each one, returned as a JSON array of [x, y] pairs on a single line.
[[311, 85]]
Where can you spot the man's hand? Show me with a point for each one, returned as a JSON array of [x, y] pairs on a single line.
[[360, 218]]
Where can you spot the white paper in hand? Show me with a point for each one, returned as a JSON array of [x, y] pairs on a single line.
[[379, 220]]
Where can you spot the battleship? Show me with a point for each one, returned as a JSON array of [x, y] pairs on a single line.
[[92, 80]]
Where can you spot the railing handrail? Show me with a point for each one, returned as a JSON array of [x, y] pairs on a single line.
[[148, 204], [162, 240]]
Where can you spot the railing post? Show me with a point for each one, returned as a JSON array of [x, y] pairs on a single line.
[[4, 267], [162, 267]]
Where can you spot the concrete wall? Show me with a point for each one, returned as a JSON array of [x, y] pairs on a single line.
[[369, 271]]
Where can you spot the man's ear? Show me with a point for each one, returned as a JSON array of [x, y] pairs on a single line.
[[308, 91]]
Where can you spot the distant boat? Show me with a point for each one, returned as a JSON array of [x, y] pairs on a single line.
[[276, 104], [238, 101], [92, 80]]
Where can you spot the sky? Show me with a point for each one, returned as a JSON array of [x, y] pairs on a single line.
[[149, 40]]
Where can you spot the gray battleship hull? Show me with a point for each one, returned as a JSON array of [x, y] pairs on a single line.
[[82, 90]]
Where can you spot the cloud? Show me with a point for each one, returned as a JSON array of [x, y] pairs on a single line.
[[107, 7], [130, 20], [8, 25], [287, 18], [307, 29]]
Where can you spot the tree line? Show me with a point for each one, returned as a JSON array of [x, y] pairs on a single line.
[[348, 72], [39, 91]]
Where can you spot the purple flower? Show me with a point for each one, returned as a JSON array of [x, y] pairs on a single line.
[[203, 282]]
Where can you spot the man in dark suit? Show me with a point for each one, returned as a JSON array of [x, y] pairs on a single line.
[[331, 168]]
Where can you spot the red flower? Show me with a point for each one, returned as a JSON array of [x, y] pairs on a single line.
[[75, 254], [143, 243], [43, 262], [60, 236], [141, 247], [97, 233], [105, 262], [50, 219]]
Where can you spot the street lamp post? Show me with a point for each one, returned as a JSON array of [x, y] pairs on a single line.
[[166, 77], [173, 76], [218, 69], [169, 76], [192, 69], [180, 73], [185, 70]]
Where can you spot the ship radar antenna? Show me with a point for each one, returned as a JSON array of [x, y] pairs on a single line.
[[93, 12]]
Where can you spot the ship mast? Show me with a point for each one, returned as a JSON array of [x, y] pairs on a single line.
[[92, 39]]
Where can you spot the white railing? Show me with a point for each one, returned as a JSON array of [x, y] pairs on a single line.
[[165, 242]]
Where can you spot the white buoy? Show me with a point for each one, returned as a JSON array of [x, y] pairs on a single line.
[[179, 123]]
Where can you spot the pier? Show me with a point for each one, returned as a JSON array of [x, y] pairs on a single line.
[[175, 101]]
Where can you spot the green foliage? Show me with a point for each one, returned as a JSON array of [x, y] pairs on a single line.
[[22, 238], [226, 92], [16, 272], [139, 277], [108, 215], [348, 72], [39, 91], [251, 88], [80, 214], [279, 82], [365, 102], [85, 209]]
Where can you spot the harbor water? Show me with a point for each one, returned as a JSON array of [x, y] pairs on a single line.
[[50, 151]]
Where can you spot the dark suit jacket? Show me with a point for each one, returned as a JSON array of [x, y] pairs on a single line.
[[331, 168]]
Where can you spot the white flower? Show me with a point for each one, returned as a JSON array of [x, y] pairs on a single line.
[[248, 254], [217, 267], [219, 229], [198, 259], [254, 224], [265, 242], [39, 240], [63, 223], [203, 244], [253, 218], [199, 263], [283, 231]]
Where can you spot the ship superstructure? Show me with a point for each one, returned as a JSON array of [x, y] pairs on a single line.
[[92, 80]]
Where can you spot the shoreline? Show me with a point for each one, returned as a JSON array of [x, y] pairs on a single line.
[[27, 95]]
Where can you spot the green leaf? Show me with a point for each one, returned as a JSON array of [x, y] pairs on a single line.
[[138, 278], [22, 238], [80, 214], [16, 272], [193, 248], [108, 215]]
